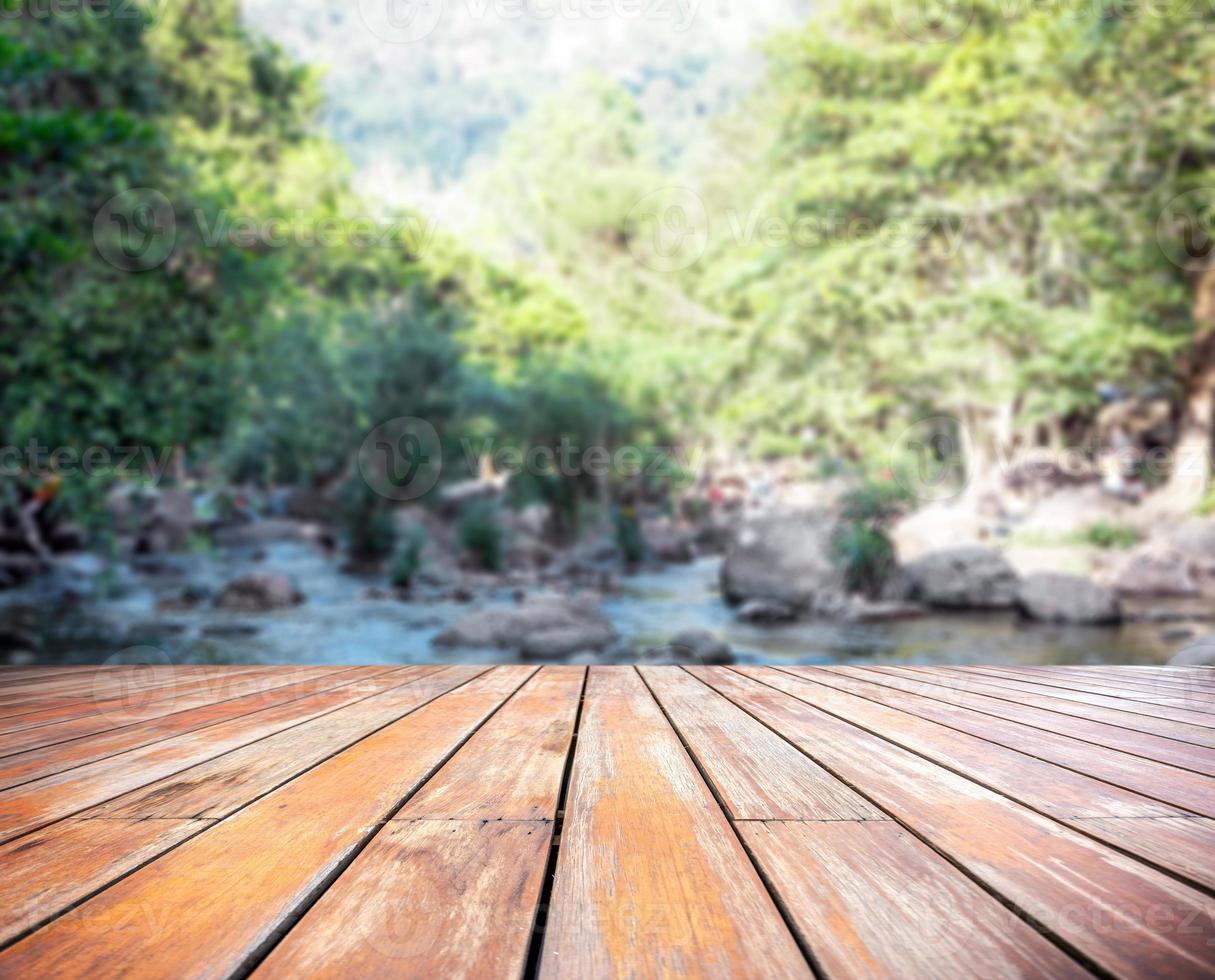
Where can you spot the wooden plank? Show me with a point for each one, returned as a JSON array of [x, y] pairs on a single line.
[[46, 871], [651, 879], [212, 790], [996, 677], [274, 686], [209, 907], [1072, 798], [872, 901], [36, 763], [218, 787], [756, 774], [950, 684], [1093, 684], [1184, 755], [450, 886], [494, 777], [467, 911], [1122, 915], [32, 805], [1157, 682], [116, 704]]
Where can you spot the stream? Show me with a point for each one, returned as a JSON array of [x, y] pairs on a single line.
[[90, 613]]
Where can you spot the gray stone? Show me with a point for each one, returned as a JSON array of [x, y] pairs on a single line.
[[690, 647], [785, 559], [259, 592], [968, 577], [759, 611], [1200, 653], [563, 641], [1155, 571], [1055, 598], [511, 627]]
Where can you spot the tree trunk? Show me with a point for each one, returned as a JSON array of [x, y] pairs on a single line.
[[1192, 456]]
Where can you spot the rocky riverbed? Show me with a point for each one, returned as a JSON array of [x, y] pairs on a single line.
[[184, 607]]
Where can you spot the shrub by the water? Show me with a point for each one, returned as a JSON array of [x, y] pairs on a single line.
[[407, 559], [480, 534], [366, 522]]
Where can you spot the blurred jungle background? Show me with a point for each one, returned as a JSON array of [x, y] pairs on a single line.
[[606, 330]]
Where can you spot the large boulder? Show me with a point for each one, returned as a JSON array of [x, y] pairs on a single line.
[[690, 647], [1152, 570], [968, 577], [542, 626], [259, 592], [1055, 598], [785, 560], [1200, 653]]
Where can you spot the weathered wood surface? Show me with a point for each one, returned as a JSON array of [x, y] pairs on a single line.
[[570, 822]]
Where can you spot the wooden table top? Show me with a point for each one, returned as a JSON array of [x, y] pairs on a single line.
[[513, 821]]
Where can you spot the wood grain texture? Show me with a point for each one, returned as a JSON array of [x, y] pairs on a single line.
[[1179, 787], [430, 898], [453, 893], [1196, 758], [871, 901], [83, 854], [36, 763], [651, 880], [1093, 682], [950, 685], [219, 786], [24, 808], [755, 773], [207, 907], [1124, 916], [272, 684], [1073, 798], [43, 873], [492, 777], [1125, 706]]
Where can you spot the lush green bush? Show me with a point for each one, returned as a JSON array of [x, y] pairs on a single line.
[[861, 548], [366, 520], [865, 556], [1105, 534], [407, 559], [480, 533]]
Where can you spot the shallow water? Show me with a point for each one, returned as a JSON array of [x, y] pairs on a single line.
[[340, 623]]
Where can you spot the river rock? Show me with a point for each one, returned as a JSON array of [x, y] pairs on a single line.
[[259, 592], [668, 542], [968, 577], [690, 647], [1153, 570], [555, 622], [785, 560], [310, 504], [759, 611], [1055, 598], [564, 641], [1200, 653]]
